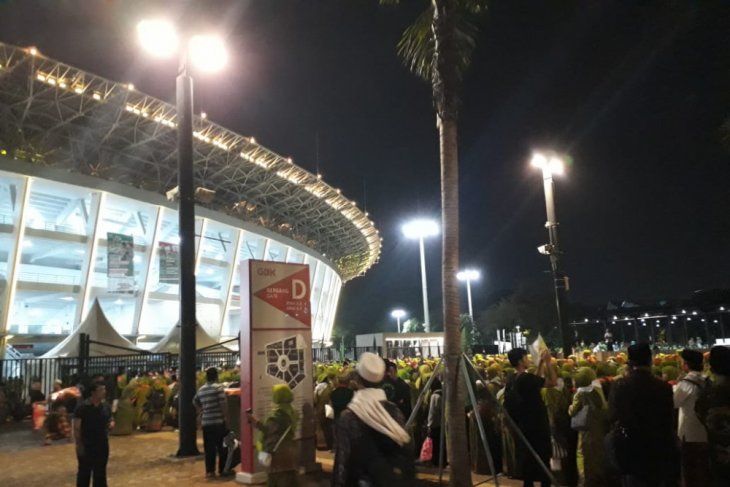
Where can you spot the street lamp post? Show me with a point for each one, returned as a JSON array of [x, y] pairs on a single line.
[[550, 165], [468, 275], [420, 229], [207, 53], [398, 314]]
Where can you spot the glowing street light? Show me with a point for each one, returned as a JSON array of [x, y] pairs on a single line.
[[158, 37], [398, 314], [420, 229], [551, 164], [468, 275], [206, 53]]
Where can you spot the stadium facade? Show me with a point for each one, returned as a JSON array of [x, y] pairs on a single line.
[[85, 168]]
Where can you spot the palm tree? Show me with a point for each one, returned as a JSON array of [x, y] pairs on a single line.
[[438, 48]]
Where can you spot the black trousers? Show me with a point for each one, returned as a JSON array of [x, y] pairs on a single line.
[[213, 446], [93, 462]]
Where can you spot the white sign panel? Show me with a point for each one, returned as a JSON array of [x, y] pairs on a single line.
[[276, 348]]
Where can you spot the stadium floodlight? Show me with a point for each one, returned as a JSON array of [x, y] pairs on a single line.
[[208, 53], [468, 275], [420, 229], [551, 164], [398, 314], [158, 37]]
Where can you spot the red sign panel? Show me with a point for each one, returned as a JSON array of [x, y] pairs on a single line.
[[290, 295]]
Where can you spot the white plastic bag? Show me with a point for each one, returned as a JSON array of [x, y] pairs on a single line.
[[264, 458]]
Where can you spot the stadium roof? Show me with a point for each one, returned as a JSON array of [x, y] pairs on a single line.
[[60, 116]]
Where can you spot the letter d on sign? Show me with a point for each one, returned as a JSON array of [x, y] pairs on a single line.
[[298, 289]]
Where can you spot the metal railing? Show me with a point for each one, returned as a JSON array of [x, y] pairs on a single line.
[[20, 374]]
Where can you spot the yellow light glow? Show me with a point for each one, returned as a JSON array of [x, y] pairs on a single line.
[[33, 51], [96, 96]]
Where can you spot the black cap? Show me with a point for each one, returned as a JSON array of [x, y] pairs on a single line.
[[720, 360], [640, 355], [693, 358]]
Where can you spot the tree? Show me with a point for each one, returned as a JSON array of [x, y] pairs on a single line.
[[412, 326], [438, 48], [531, 306], [468, 333]]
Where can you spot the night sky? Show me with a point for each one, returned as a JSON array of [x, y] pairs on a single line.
[[635, 92]]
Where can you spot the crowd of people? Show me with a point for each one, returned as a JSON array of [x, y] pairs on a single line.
[[633, 419], [548, 421]]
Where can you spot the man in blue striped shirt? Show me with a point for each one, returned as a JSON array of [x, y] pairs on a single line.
[[210, 401]]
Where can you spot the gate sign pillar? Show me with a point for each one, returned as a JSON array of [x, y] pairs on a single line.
[[276, 348]]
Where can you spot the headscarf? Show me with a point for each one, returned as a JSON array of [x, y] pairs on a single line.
[[282, 396], [584, 377]]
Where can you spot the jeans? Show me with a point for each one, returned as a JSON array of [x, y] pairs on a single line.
[[213, 446], [93, 461]]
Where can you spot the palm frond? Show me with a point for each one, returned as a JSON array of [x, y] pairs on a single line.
[[416, 45]]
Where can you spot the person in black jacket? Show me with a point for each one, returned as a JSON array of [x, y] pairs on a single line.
[[641, 407], [372, 446], [523, 401], [397, 390], [713, 411]]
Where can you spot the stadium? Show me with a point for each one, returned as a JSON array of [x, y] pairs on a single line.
[[88, 171]]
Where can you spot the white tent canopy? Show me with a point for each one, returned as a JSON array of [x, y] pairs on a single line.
[[171, 342], [99, 329]]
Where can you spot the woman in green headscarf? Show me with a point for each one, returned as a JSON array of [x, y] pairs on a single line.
[[591, 452], [275, 439]]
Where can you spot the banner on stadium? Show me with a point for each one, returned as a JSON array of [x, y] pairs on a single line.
[[276, 337], [169, 255], [120, 263]]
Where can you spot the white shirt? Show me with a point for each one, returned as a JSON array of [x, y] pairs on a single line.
[[685, 395]]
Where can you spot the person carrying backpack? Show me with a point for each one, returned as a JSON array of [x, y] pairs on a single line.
[[373, 447]]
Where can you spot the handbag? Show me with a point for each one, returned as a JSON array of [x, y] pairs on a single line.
[[579, 422], [427, 450], [264, 457], [619, 451]]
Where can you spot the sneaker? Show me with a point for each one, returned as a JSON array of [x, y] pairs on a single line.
[[228, 473], [210, 475]]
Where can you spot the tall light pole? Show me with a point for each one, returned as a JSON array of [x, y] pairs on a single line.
[[207, 53], [551, 164], [420, 229], [468, 275], [398, 314]]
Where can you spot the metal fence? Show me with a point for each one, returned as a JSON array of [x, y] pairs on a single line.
[[19, 374]]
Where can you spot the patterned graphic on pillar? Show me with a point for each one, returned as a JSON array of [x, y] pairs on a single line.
[[285, 360]]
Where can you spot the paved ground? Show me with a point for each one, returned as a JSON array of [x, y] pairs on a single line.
[[138, 460]]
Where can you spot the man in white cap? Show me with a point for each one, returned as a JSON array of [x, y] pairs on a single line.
[[372, 445]]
